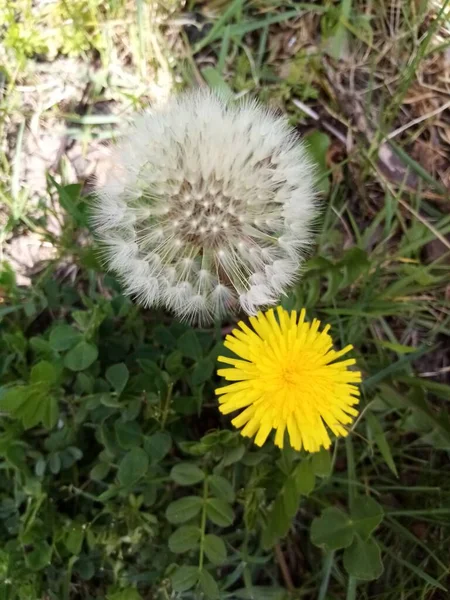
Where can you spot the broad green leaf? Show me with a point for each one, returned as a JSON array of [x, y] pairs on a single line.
[[128, 434], [74, 539], [208, 585], [278, 523], [291, 497], [215, 549], [304, 478], [362, 559], [381, 441], [317, 146], [221, 487], [321, 463], [81, 356], [118, 375], [16, 456], [233, 455], [216, 82], [184, 509], [132, 467], [202, 371], [184, 578], [219, 512], [39, 467], [332, 530], [100, 471], [184, 538], [49, 412], [44, 374], [31, 404], [64, 337], [355, 263], [13, 398], [55, 463], [158, 445], [366, 515], [190, 346], [336, 41], [174, 363], [186, 474], [39, 557]]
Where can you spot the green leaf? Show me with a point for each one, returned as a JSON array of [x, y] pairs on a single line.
[[184, 539], [221, 487], [127, 594], [39, 467], [216, 82], [208, 585], [337, 40], [291, 497], [81, 356], [128, 434], [304, 477], [55, 463], [278, 523], [74, 539], [158, 445], [49, 412], [332, 530], [186, 474], [100, 471], [215, 549], [174, 363], [321, 463], [190, 346], [64, 337], [366, 515], [132, 467], [233, 455], [184, 509], [13, 398], [39, 557], [69, 196], [219, 512], [44, 374], [362, 559], [317, 146], [184, 578], [118, 375], [16, 456], [202, 371], [381, 441], [31, 404]]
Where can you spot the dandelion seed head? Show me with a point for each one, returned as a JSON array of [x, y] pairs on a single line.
[[225, 186]]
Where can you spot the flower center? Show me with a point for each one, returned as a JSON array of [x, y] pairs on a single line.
[[205, 214], [294, 371]]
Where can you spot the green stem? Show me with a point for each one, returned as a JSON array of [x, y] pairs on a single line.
[[350, 472], [351, 588], [166, 406], [203, 525], [327, 566]]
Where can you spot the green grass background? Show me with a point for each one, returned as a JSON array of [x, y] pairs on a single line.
[[118, 477]]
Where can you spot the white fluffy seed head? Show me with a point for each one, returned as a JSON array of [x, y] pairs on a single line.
[[208, 207]]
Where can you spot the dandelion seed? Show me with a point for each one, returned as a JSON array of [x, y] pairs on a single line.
[[227, 186], [287, 378]]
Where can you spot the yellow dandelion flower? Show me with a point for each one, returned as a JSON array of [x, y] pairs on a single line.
[[287, 377]]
